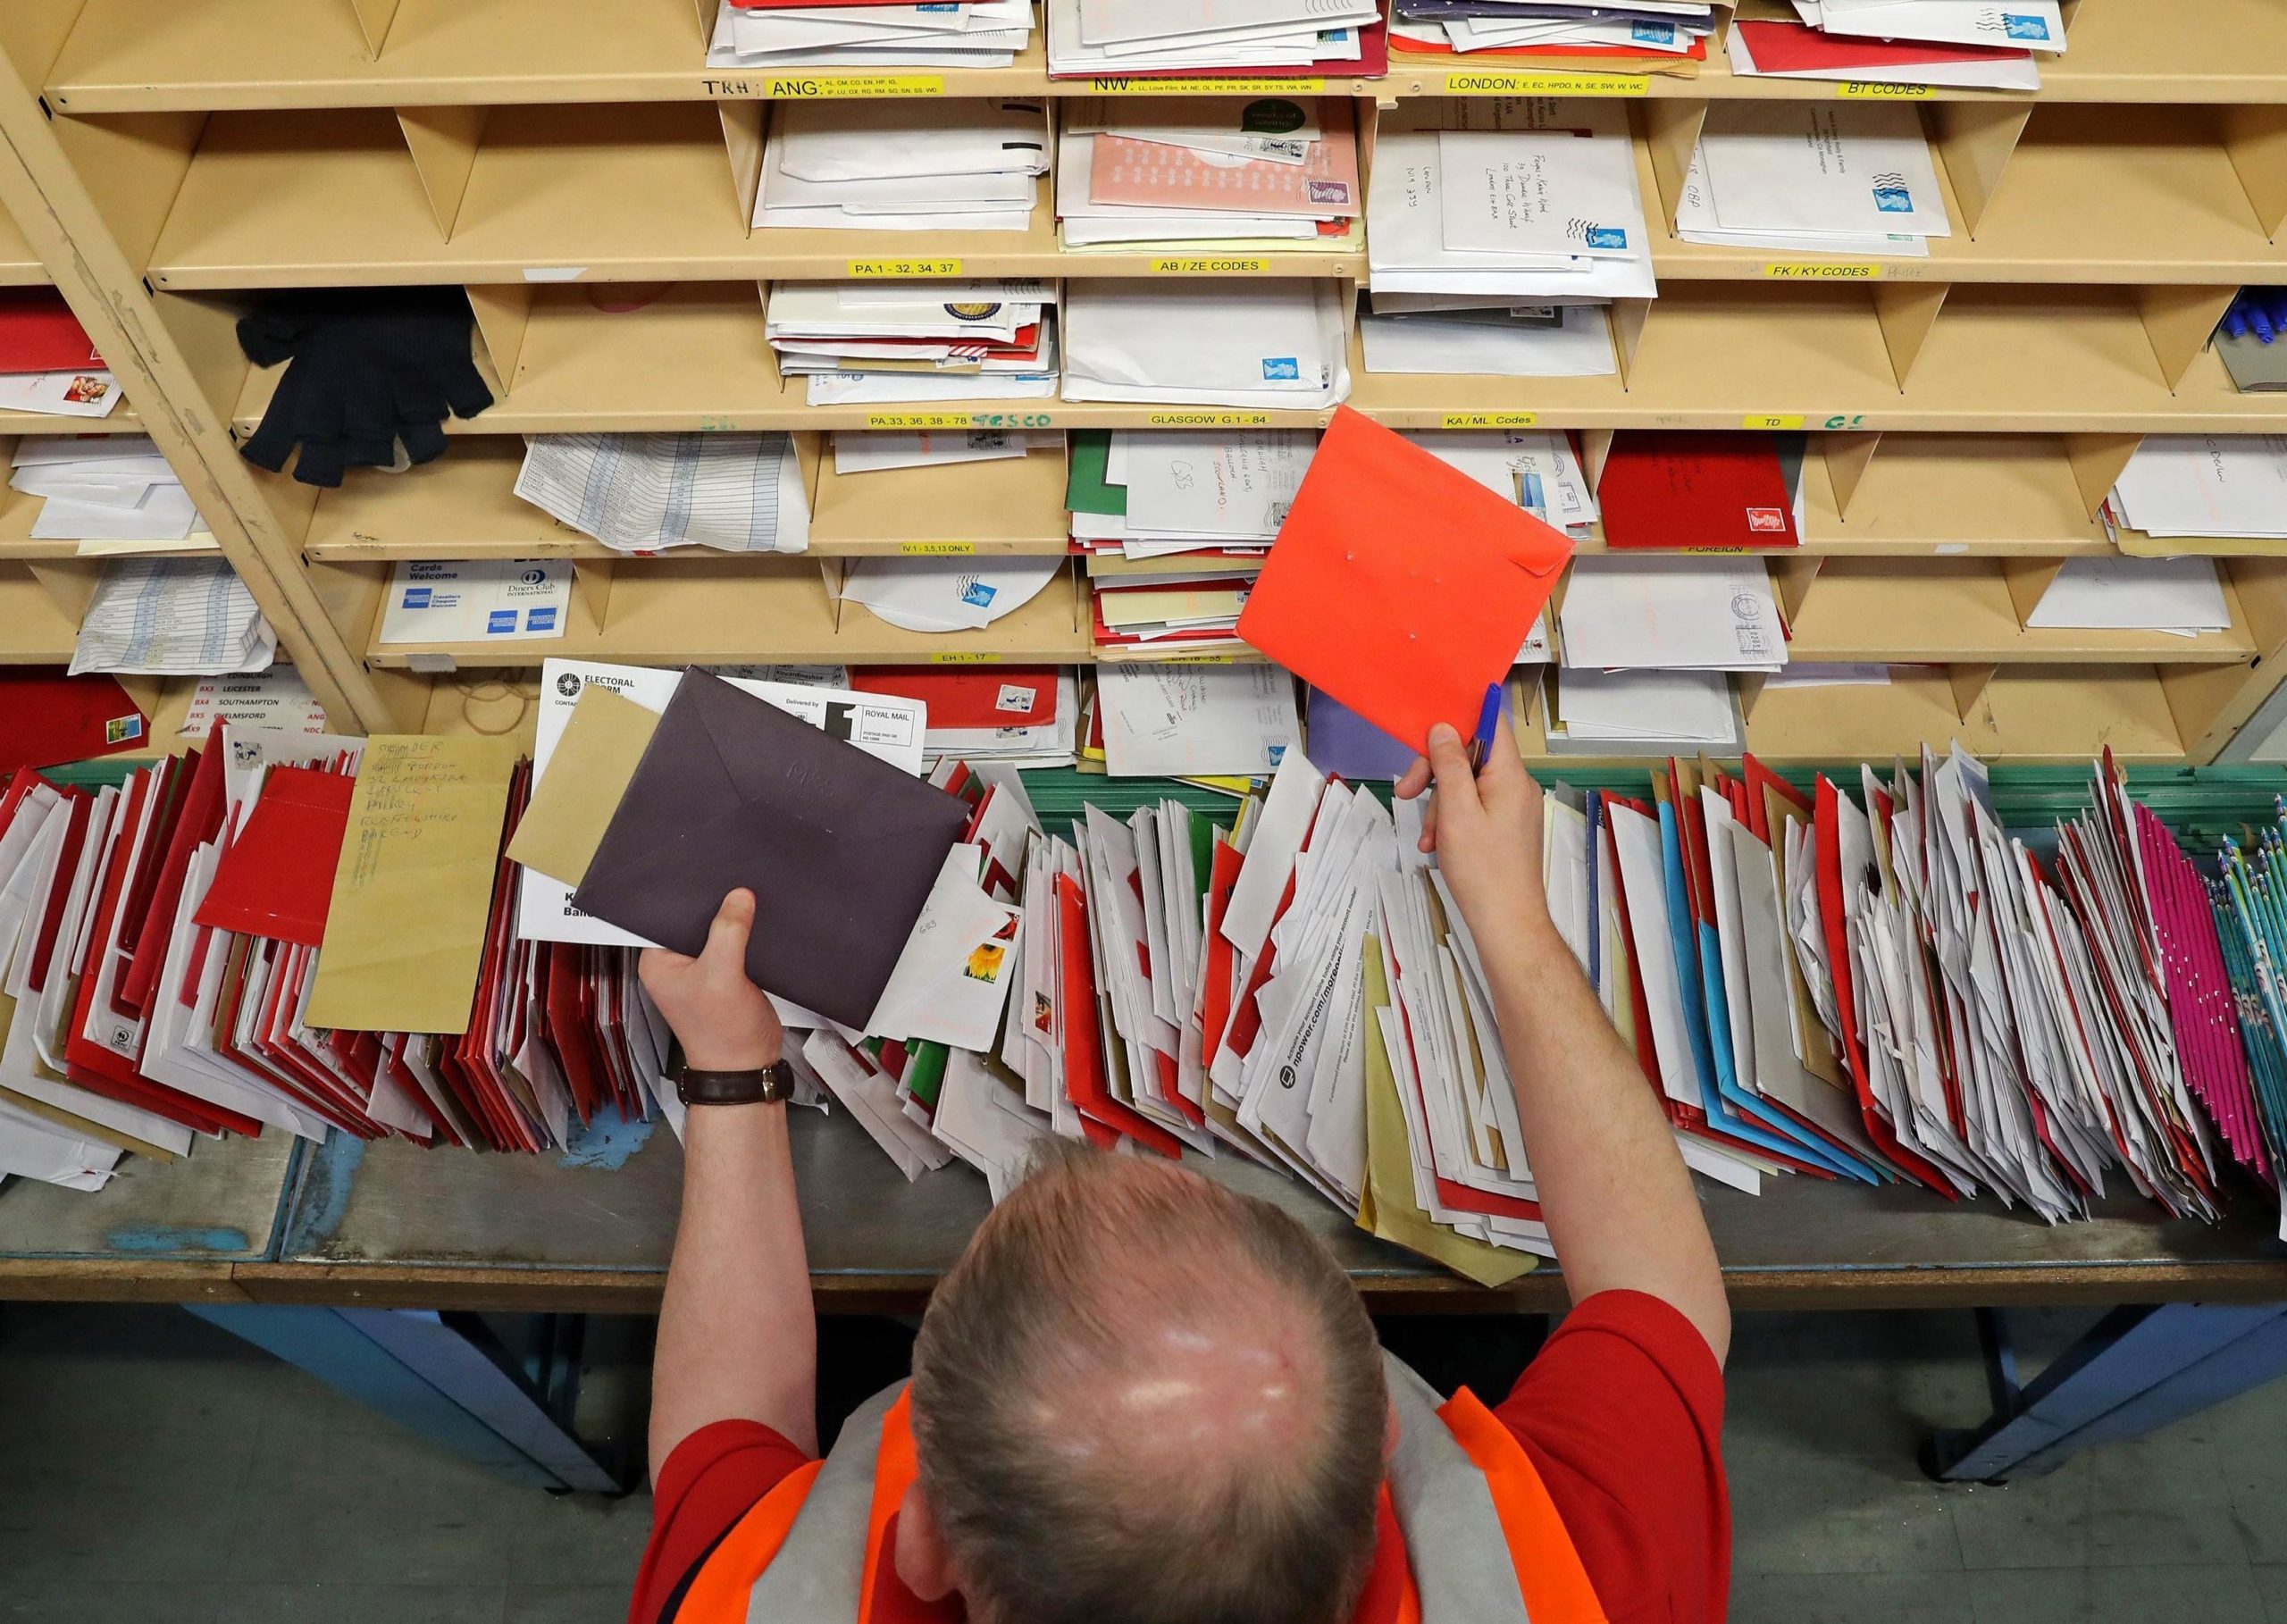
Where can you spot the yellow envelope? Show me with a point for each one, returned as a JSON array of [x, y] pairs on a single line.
[[573, 802], [1386, 1207], [413, 892]]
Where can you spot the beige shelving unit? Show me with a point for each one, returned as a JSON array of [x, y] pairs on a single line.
[[577, 168]]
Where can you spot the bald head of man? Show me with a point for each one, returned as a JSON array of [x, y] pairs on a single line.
[[1142, 1399]]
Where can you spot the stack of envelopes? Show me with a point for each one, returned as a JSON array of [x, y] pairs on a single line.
[[1805, 178], [916, 341], [1145, 38], [1642, 36], [1284, 345], [1270, 172], [902, 166]]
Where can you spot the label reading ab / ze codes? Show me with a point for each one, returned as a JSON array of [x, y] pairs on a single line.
[[1207, 420], [1191, 266], [1773, 420], [1461, 83], [1121, 84], [899, 269], [1868, 90], [827, 86], [1795, 271], [1490, 420], [936, 549]]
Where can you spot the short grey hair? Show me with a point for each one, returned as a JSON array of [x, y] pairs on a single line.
[[1090, 1245]]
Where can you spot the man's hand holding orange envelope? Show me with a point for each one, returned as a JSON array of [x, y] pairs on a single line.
[[1400, 585]]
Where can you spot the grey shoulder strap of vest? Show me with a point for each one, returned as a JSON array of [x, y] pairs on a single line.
[[1453, 1541], [817, 1575]]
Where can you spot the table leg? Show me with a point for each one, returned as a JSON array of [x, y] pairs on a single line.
[[2139, 1369], [440, 1377]]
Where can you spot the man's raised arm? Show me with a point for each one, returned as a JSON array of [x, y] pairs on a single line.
[[738, 1332], [1614, 1189]]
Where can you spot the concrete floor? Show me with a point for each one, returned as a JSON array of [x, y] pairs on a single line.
[[153, 1469]]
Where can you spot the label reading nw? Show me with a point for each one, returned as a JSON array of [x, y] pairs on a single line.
[[900, 269], [1121, 84], [1798, 271], [1459, 82], [1490, 420]]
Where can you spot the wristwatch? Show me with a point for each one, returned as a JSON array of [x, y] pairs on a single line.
[[773, 1084]]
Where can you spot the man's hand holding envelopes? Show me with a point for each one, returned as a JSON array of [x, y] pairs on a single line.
[[1399, 584], [841, 849]]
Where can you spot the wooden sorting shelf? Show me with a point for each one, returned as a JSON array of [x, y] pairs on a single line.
[[727, 610], [1958, 611], [464, 506], [1713, 356], [121, 421], [334, 198], [2061, 713], [141, 55], [2090, 194]]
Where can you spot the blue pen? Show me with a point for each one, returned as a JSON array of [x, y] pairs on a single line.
[[2260, 319], [2235, 318], [1489, 718]]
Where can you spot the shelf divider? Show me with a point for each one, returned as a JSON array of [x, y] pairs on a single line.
[[1974, 141], [373, 19], [1969, 683], [503, 311], [2180, 321], [1907, 312], [1848, 457], [443, 141], [2256, 138], [2098, 460]]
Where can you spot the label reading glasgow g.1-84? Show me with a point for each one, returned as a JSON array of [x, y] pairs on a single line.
[[1207, 420]]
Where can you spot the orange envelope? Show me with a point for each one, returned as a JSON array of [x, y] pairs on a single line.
[[1399, 584]]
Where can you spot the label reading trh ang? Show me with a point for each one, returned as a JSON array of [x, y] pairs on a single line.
[[827, 86]]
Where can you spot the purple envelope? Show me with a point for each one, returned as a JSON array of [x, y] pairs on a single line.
[[1345, 744]]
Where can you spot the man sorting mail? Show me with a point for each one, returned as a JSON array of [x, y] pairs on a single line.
[[1140, 1398]]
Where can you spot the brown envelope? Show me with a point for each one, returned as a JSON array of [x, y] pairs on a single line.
[[839, 848], [572, 803], [413, 892]]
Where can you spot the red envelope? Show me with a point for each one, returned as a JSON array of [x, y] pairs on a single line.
[[46, 719], [39, 333], [277, 878], [1001, 696], [1399, 584]]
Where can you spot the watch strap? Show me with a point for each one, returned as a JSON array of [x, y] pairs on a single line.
[[773, 1084]]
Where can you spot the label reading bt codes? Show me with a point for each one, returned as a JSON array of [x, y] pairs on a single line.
[[1490, 420], [899, 269], [1867, 90]]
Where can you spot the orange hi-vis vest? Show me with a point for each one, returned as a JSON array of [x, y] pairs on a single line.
[[1468, 1534]]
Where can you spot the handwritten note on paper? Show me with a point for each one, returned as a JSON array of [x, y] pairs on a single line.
[[405, 936]]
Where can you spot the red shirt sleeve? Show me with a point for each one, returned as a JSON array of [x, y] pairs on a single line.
[[714, 1477], [1623, 1415]]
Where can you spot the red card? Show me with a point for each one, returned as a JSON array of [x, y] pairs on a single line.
[[1673, 490], [39, 333], [1000, 697], [47, 718], [277, 878], [1399, 584]]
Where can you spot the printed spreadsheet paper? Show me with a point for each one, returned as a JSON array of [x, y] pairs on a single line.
[[173, 617], [741, 493]]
